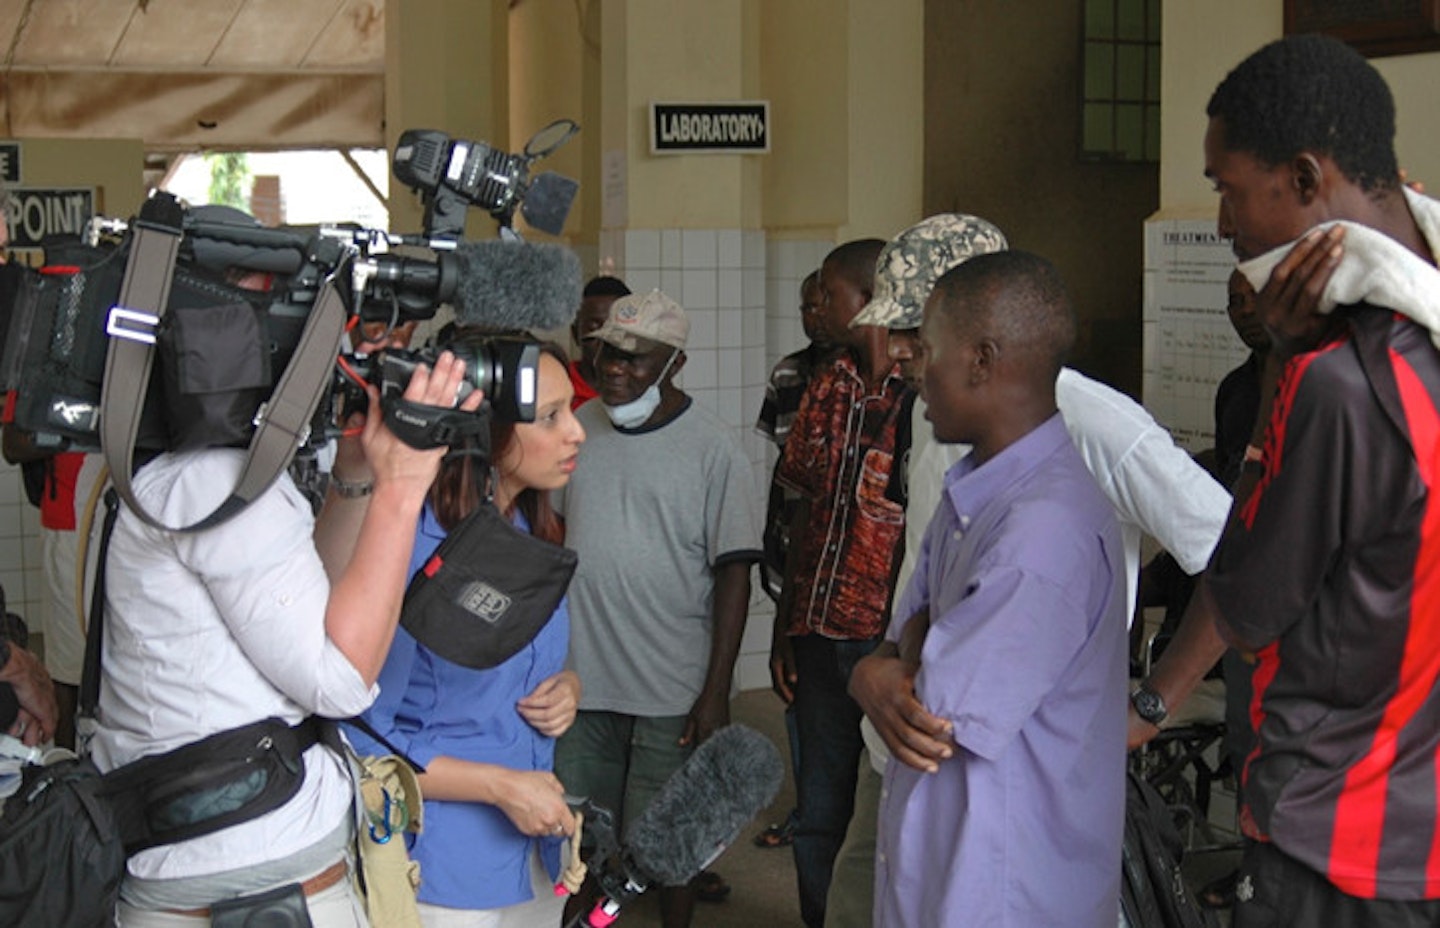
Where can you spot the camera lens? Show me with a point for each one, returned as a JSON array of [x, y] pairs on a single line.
[[506, 370]]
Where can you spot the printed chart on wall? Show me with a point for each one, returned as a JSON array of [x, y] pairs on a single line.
[[1189, 342]]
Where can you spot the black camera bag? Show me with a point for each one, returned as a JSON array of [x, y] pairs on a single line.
[[61, 858], [213, 346], [486, 591]]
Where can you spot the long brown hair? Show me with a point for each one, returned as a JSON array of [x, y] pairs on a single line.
[[463, 477]]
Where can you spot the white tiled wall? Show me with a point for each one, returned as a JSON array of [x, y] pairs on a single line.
[[789, 262], [20, 549]]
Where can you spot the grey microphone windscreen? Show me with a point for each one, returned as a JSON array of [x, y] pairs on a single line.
[[516, 285], [704, 804]]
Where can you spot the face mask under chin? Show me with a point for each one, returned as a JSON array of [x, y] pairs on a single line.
[[639, 410]]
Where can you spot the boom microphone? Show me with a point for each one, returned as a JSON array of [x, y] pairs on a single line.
[[516, 285], [693, 818], [704, 804]]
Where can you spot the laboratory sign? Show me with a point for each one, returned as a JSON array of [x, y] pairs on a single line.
[[742, 127]]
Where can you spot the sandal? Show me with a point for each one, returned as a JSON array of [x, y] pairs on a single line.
[[710, 886], [777, 834], [1219, 893]]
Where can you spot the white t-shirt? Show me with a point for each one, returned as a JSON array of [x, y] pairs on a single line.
[[210, 630]]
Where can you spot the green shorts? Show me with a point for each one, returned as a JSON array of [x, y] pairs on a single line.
[[620, 761]]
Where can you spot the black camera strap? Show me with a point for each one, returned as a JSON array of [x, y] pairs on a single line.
[[282, 423], [424, 427]]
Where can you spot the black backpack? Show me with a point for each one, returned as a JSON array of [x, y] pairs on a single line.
[[1153, 893], [63, 858]]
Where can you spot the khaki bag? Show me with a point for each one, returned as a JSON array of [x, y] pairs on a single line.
[[390, 794]]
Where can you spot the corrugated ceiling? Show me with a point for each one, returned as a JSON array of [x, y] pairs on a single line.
[[187, 74]]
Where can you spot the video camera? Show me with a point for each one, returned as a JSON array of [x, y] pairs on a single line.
[[241, 294], [453, 174]]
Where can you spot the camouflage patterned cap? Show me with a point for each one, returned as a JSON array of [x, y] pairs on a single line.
[[912, 261]]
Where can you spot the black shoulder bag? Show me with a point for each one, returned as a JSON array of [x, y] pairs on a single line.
[[486, 591]]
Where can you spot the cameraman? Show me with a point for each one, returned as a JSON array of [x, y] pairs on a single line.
[[207, 631]]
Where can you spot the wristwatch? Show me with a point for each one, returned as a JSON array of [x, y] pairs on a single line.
[[1148, 704], [346, 489]]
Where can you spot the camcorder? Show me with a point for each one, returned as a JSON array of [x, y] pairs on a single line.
[[240, 296], [501, 367]]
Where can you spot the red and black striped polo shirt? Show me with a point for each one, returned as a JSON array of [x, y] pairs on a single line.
[[1332, 573]]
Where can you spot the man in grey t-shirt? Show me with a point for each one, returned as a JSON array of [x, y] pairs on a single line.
[[663, 513]]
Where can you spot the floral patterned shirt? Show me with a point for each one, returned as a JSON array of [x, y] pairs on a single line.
[[839, 455]]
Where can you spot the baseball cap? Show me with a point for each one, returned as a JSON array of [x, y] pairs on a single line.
[[652, 317], [912, 261]]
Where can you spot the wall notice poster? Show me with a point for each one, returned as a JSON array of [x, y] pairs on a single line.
[[1189, 342]]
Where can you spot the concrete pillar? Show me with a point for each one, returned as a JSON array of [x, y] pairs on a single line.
[[446, 68]]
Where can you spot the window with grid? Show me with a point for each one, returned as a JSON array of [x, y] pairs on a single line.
[[1120, 110]]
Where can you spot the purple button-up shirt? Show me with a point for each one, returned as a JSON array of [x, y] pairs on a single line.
[[1022, 571]]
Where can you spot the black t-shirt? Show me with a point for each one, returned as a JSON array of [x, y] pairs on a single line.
[[1332, 573]]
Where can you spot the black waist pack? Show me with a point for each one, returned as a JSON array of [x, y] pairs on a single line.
[[66, 833], [486, 591]]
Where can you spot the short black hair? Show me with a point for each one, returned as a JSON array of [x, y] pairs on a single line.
[[1311, 93], [1015, 297], [856, 261], [605, 285]]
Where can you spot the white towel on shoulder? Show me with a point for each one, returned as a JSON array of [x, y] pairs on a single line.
[[1376, 269]]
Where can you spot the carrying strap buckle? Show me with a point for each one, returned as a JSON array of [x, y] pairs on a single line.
[[132, 324], [262, 415]]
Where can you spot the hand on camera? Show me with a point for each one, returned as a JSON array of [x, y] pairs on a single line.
[[709, 714], [389, 458]]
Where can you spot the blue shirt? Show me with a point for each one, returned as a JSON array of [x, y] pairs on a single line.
[[1022, 570], [471, 856]]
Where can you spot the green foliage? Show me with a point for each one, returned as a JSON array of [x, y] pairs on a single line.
[[229, 179]]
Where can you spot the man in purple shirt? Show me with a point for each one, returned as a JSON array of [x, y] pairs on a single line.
[[1015, 618]]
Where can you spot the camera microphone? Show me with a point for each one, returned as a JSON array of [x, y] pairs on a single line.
[[702, 807], [516, 285], [696, 815]]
